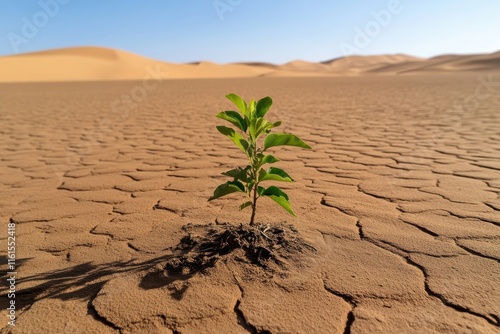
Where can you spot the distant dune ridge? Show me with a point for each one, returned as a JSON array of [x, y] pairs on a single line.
[[100, 64]]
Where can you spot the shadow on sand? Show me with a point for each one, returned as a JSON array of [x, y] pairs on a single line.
[[82, 281]]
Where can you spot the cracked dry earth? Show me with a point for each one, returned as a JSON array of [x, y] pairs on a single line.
[[399, 195]]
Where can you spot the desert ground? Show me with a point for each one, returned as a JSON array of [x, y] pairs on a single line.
[[400, 196]]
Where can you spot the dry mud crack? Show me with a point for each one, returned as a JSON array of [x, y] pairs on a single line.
[[400, 197]]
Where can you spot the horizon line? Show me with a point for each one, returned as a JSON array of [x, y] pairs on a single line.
[[244, 61]]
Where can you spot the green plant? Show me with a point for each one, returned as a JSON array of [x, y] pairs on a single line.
[[251, 126]]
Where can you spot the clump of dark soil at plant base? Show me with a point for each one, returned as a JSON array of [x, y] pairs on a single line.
[[267, 246]]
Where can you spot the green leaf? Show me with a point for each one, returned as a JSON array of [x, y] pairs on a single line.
[[260, 190], [251, 109], [252, 127], [238, 173], [249, 151], [234, 136], [274, 174], [227, 188], [269, 159], [279, 139], [256, 124], [250, 184], [238, 102], [244, 205], [263, 106], [276, 124], [280, 197], [266, 126], [246, 120], [234, 118]]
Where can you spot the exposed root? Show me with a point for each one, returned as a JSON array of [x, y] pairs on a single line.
[[268, 246]]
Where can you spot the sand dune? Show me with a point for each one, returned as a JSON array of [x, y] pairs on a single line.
[[465, 63], [258, 64], [445, 63], [303, 66], [299, 68], [75, 64], [363, 64], [99, 64]]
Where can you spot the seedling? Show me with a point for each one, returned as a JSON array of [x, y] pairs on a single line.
[[251, 125]]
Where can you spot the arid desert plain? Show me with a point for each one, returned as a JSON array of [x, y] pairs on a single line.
[[400, 196]]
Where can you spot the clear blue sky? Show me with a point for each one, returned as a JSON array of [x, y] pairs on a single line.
[[253, 30]]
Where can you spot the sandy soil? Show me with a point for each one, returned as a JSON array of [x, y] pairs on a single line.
[[400, 195]]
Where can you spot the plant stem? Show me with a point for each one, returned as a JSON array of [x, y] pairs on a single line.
[[255, 177], [254, 205]]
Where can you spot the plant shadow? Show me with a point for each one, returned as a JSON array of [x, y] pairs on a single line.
[[80, 282]]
